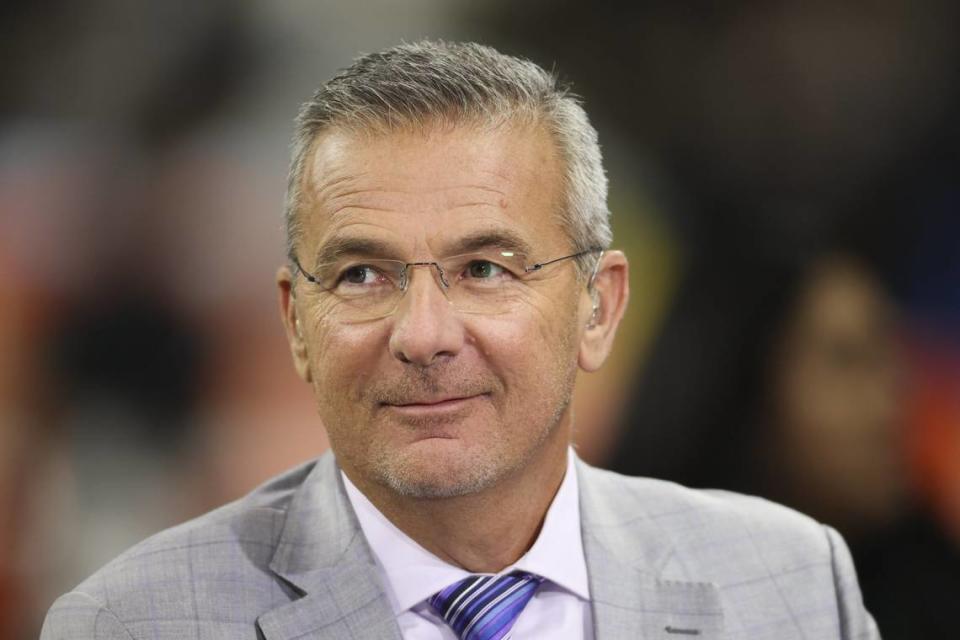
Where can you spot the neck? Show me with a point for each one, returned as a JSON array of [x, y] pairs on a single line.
[[461, 531]]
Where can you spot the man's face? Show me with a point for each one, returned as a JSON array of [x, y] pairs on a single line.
[[431, 401]]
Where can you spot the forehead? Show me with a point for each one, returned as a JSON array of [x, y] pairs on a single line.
[[420, 189]]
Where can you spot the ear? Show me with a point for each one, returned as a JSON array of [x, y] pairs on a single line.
[[291, 323], [602, 308]]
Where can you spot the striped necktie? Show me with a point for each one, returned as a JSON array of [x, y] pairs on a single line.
[[484, 607]]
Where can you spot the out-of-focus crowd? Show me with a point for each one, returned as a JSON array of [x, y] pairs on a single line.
[[783, 178]]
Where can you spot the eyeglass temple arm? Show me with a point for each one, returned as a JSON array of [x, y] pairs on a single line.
[[541, 265], [306, 274]]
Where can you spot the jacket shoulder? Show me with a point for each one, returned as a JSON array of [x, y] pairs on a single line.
[[183, 572], [777, 572], [726, 533]]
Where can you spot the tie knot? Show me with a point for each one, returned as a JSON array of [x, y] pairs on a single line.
[[484, 607]]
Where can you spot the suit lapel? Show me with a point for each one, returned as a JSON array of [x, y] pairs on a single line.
[[626, 555], [323, 557]]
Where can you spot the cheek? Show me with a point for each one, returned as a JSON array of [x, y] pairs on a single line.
[[557, 328], [531, 350], [335, 350]]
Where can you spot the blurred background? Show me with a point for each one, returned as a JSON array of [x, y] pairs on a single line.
[[784, 179]]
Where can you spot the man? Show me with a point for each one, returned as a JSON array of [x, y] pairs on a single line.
[[448, 274]]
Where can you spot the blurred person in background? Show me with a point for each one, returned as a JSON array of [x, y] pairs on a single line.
[[831, 420], [785, 376]]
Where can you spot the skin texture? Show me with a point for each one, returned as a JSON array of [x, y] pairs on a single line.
[[439, 416]]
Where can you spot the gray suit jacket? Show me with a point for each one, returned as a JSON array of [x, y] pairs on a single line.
[[289, 561]]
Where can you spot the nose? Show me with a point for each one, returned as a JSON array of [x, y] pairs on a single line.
[[426, 327]]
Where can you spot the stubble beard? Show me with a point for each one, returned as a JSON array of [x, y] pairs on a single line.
[[403, 472], [404, 475], [411, 474], [404, 479]]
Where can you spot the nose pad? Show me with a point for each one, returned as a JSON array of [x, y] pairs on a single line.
[[406, 278], [440, 278]]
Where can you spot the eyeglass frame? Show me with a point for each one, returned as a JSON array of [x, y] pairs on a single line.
[[440, 271]]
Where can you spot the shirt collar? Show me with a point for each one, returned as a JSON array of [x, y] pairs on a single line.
[[413, 574]]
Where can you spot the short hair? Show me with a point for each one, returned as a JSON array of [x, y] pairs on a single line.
[[418, 84]]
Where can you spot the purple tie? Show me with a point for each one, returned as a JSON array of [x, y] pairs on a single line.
[[484, 607]]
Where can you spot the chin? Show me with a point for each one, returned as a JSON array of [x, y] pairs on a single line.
[[434, 477]]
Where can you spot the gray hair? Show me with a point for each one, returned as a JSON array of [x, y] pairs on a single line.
[[415, 85]]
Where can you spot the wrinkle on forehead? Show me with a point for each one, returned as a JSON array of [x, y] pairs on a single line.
[[432, 189], [377, 198], [343, 171]]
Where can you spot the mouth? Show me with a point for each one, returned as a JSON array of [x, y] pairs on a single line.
[[428, 406]]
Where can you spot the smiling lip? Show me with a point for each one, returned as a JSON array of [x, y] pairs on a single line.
[[432, 406]]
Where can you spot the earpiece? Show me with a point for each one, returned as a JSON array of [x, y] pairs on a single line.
[[595, 314], [594, 294]]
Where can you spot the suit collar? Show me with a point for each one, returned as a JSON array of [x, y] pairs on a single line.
[[634, 537], [319, 528], [628, 558], [323, 557]]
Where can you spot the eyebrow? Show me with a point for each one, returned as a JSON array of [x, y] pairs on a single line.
[[340, 246], [491, 238]]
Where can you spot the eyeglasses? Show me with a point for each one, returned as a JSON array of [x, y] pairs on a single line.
[[487, 282]]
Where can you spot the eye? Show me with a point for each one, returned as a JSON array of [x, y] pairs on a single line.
[[484, 270], [360, 274]]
